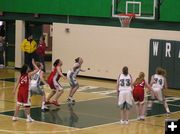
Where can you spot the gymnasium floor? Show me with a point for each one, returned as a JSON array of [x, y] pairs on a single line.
[[95, 111]]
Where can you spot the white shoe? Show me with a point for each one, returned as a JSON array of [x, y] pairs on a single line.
[[122, 122], [126, 122], [45, 107], [139, 118], [142, 118], [14, 118], [168, 114], [29, 119]]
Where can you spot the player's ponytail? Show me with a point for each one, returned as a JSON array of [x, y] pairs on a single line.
[[139, 79]]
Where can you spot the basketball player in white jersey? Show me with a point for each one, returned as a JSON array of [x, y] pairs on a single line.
[[71, 75], [125, 98], [158, 84], [36, 89]]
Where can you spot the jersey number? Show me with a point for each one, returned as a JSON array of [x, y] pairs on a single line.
[[125, 82], [24, 80], [158, 81], [35, 77]]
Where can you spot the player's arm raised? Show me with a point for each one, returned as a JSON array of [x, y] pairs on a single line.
[[36, 69], [42, 78]]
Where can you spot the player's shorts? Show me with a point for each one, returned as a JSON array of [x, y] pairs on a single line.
[[157, 93], [138, 94], [23, 97], [125, 100], [125, 105], [55, 85], [36, 90], [72, 81]]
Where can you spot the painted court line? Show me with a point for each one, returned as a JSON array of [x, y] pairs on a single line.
[[9, 110], [35, 132], [84, 88], [6, 87], [92, 115], [35, 106], [95, 98], [168, 104], [130, 122], [77, 129], [58, 125], [104, 92]]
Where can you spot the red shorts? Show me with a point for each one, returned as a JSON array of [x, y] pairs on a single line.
[[23, 97], [51, 84], [138, 94], [55, 85]]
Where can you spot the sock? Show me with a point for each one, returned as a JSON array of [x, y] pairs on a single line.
[[166, 107], [167, 110], [42, 107], [28, 116]]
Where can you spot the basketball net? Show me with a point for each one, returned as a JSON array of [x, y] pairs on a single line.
[[125, 19]]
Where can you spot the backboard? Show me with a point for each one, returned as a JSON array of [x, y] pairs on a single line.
[[143, 9]]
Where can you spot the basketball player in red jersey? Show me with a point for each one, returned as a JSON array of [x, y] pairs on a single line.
[[56, 87], [138, 95], [23, 96]]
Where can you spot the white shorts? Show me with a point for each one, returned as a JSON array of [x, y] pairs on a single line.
[[72, 81], [125, 99], [38, 90], [157, 93]]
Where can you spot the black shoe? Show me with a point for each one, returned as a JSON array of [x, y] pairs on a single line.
[[73, 101], [70, 100]]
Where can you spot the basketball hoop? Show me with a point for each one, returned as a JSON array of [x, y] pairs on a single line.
[[125, 19]]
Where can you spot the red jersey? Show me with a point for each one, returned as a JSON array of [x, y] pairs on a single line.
[[140, 85], [41, 49], [54, 76], [138, 92], [23, 92], [24, 82]]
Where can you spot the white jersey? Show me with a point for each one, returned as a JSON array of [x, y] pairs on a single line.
[[75, 72], [125, 82], [35, 80], [159, 81]]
